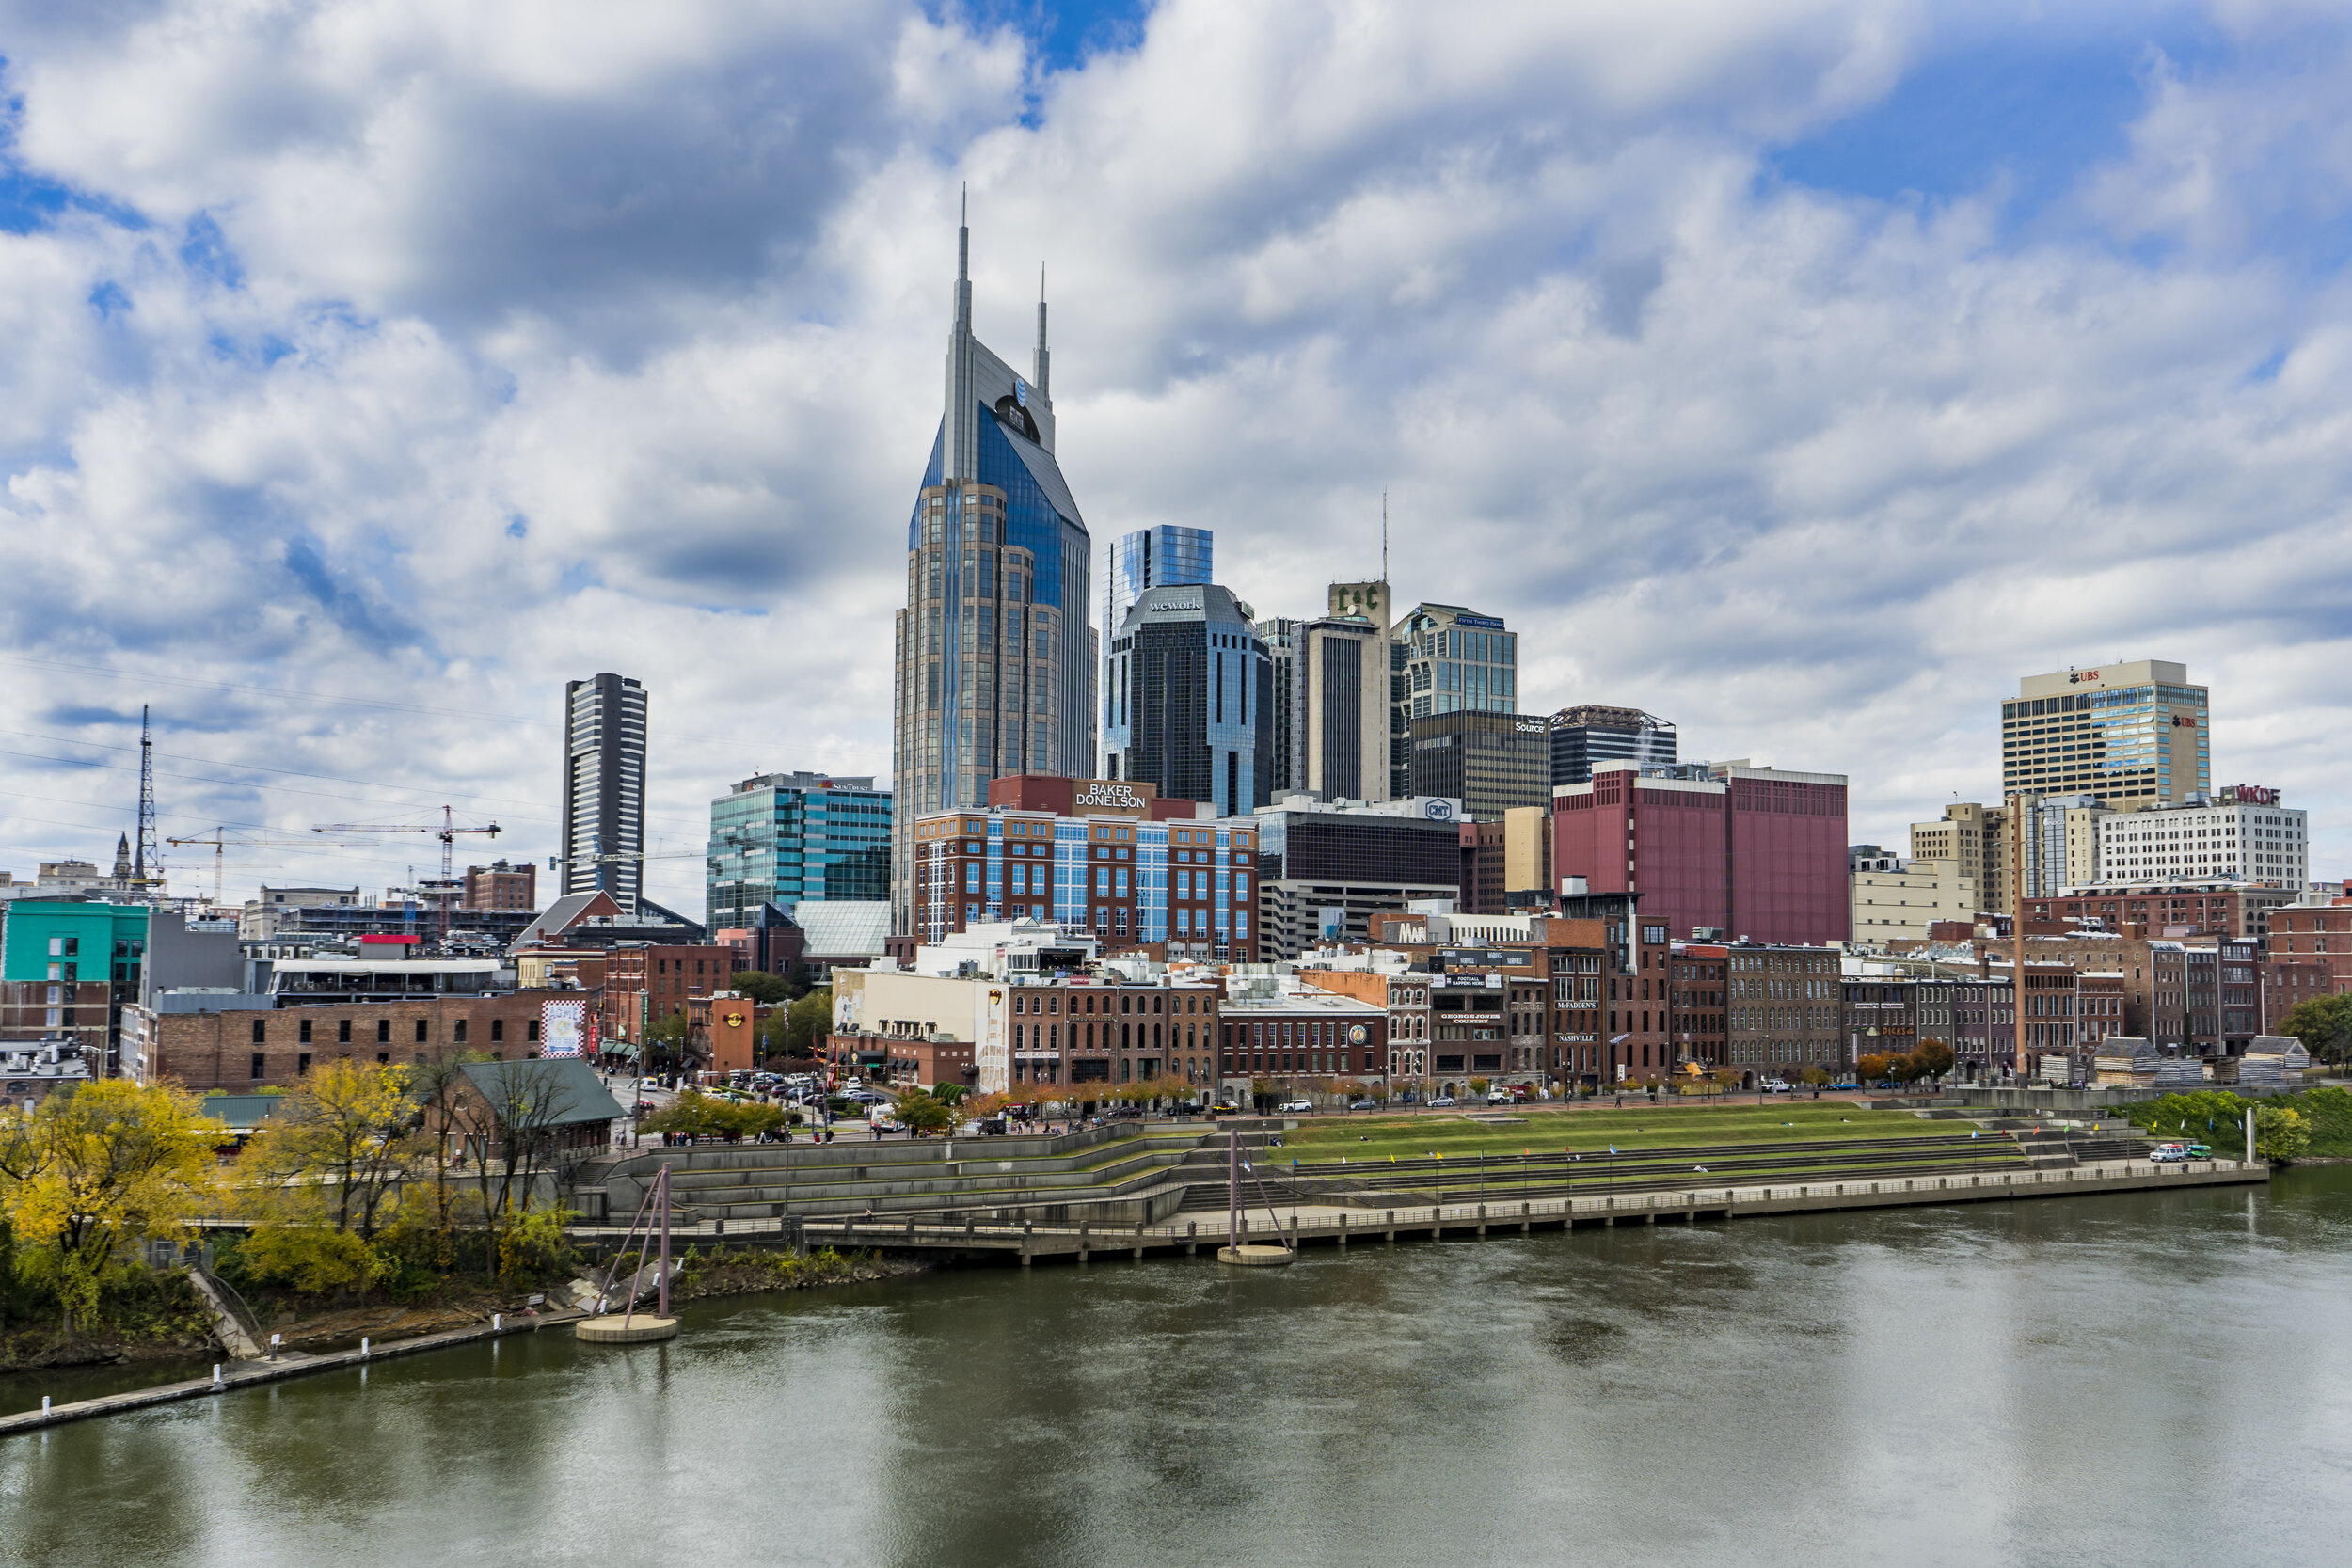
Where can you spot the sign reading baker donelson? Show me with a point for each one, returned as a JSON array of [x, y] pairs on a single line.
[[562, 1028], [1112, 793]]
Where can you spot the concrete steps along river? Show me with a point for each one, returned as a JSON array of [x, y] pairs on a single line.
[[1123, 1174]]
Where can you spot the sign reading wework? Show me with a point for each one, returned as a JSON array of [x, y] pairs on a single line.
[[1111, 795]]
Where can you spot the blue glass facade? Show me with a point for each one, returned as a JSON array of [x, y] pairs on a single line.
[[787, 839]]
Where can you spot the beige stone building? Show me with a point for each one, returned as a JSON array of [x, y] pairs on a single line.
[[1974, 838], [1898, 904]]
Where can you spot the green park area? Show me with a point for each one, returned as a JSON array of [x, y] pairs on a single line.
[[1592, 1130]]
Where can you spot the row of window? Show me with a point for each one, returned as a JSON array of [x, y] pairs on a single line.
[[384, 1030]]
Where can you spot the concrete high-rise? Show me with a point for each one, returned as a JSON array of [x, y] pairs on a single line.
[[2130, 736], [995, 660], [1188, 686], [1344, 719], [604, 788]]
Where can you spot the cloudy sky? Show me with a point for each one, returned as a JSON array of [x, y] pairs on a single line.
[[1802, 371]]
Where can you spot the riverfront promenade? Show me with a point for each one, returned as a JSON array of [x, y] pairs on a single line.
[[1338, 1225]]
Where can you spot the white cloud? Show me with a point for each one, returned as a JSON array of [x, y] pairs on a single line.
[[541, 340]]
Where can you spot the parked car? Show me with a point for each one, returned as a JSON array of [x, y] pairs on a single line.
[[1846, 1083], [1366, 1105], [1774, 1085], [992, 1127], [1127, 1113], [1223, 1108], [1498, 1097], [1442, 1102], [1297, 1107], [2169, 1153]]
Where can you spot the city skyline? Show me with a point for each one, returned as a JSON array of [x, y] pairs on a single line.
[[423, 484]]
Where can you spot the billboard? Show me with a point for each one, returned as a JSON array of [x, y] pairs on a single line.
[[564, 1028]]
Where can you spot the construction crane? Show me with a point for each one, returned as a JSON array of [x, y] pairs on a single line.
[[448, 831], [220, 840]]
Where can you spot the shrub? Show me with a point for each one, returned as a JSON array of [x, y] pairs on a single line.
[[313, 1261]]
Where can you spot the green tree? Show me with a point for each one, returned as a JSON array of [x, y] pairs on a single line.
[[665, 1043], [761, 987], [921, 1112], [2280, 1133], [2324, 1024], [1935, 1057], [809, 1021]]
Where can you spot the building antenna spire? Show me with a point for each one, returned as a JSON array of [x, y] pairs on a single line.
[[1384, 536], [1043, 375]]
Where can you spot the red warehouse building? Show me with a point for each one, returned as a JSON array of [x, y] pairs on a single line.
[[1751, 854]]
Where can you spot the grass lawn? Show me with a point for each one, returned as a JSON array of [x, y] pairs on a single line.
[[1585, 1131]]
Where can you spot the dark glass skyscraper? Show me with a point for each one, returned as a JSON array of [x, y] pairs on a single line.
[[995, 659], [1188, 708]]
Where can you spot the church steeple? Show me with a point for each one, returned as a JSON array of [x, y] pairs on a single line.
[[122, 856]]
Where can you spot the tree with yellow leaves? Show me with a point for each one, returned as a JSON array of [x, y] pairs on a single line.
[[103, 1165], [340, 1146]]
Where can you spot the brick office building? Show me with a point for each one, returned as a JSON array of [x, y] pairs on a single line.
[[1267, 1032], [1113, 857], [1587, 994], [252, 1048], [645, 984], [1725, 850], [2225, 909], [1699, 975], [2317, 936], [1782, 1007]]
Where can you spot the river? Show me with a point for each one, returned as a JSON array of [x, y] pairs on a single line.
[[2141, 1379]]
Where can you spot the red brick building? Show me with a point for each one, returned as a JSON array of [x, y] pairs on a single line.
[[502, 886], [643, 984], [2315, 936], [245, 1049], [1743, 853], [1103, 855], [2166, 911]]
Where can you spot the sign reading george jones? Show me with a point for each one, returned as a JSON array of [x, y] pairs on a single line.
[[1111, 795]]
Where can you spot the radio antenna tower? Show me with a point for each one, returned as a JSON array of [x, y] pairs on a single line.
[[149, 867], [1384, 536]]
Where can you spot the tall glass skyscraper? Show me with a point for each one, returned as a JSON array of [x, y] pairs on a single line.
[[794, 838], [1160, 557], [996, 661]]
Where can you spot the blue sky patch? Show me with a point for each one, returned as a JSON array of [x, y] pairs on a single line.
[[2028, 109]]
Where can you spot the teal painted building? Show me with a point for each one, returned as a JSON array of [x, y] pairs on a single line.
[[67, 967]]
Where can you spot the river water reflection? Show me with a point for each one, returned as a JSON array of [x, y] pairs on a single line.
[[2133, 1380]]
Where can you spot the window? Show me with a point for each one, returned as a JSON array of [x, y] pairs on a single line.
[[260, 1068], [383, 1031], [498, 1028], [342, 1031], [306, 1031], [459, 1032], [420, 1031], [531, 1029], [302, 1064], [383, 1058], [260, 1033]]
